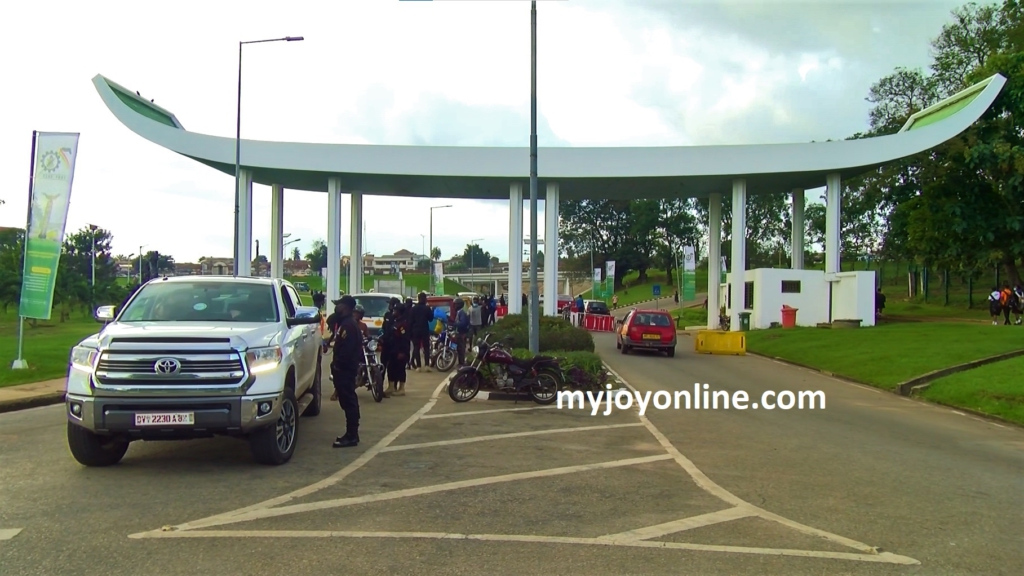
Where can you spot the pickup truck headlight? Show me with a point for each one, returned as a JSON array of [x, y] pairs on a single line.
[[263, 359], [84, 358]]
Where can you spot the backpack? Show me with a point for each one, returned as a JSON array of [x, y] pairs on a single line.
[[1014, 300]]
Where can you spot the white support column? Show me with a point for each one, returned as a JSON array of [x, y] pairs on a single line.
[[245, 223], [714, 257], [551, 250], [276, 231], [738, 266], [515, 249], [355, 278], [833, 201], [333, 280], [797, 243]]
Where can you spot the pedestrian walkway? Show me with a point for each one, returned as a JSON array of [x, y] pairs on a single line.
[[31, 395]]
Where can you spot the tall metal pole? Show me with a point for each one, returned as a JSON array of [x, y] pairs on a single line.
[[19, 362], [534, 291], [238, 149], [430, 253]]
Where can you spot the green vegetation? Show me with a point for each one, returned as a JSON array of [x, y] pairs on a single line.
[[993, 389], [47, 346], [887, 355], [690, 317], [555, 334], [417, 281]]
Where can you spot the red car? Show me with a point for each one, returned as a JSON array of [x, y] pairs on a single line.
[[647, 329]]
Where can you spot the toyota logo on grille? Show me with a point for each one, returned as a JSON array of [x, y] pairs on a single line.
[[167, 366]]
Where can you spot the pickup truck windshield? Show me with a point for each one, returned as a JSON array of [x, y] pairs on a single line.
[[202, 302]]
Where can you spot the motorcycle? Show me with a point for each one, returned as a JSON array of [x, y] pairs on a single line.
[[443, 351], [495, 367], [371, 371]]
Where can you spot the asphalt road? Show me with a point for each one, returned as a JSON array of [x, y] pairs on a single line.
[[873, 484]]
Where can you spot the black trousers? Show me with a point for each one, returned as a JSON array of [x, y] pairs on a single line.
[[420, 342], [345, 386]]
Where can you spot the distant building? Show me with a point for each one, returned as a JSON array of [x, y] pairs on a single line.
[[403, 260]]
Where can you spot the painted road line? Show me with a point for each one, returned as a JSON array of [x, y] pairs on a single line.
[[493, 411], [509, 435], [881, 558], [8, 533], [661, 530]]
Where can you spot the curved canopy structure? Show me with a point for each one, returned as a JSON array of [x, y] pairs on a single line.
[[485, 173]]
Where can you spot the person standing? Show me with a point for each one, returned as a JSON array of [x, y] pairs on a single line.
[[419, 329], [475, 319], [461, 330], [1004, 300], [879, 302], [398, 339], [492, 306], [385, 331], [348, 354], [994, 305]]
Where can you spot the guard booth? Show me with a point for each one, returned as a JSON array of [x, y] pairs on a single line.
[[770, 291]]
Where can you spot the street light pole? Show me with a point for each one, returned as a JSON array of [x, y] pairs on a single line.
[[534, 291], [238, 133], [433, 288], [140, 263], [472, 261]]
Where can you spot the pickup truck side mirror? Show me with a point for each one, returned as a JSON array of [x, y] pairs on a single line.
[[304, 316], [105, 314]]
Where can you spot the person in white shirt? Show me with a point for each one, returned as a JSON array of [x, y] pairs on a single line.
[[995, 306]]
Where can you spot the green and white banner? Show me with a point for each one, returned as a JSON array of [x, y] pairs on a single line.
[[53, 170], [689, 274]]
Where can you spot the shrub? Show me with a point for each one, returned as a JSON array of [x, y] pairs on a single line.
[[556, 333], [583, 370]]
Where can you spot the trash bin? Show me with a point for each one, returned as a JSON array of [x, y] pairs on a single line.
[[744, 321], [788, 316]]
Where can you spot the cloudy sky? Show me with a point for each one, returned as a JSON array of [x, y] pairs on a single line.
[[610, 72]]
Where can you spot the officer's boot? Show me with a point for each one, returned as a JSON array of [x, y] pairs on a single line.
[[350, 439]]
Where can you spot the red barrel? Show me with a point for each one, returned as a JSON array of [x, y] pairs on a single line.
[[788, 316]]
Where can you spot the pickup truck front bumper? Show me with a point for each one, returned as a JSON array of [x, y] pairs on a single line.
[[212, 416]]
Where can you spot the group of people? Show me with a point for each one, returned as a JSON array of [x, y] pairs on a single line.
[[1003, 302]]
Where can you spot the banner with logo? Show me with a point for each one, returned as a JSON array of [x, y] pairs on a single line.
[[439, 277], [725, 269], [53, 170], [609, 268], [689, 274], [597, 275]]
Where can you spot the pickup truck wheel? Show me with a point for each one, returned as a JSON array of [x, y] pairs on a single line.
[[314, 407], [94, 450], [274, 445]]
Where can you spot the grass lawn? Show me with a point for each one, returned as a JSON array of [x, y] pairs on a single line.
[[634, 291], [690, 317], [921, 310], [886, 355], [47, 346], [993, 389]]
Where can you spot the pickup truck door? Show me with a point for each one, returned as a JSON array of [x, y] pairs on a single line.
[[295, 341], [310, 342]]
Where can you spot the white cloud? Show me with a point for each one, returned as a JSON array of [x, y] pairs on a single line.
[[390, 72]]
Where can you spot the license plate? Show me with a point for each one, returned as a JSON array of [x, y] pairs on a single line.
[[652, 336], [166, 419], [454, 345]]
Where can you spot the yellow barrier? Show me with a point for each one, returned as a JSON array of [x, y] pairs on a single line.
[[720, 342]]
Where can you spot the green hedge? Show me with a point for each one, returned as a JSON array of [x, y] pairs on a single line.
[[556, 333]]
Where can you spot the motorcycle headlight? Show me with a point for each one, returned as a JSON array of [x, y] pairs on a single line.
[[263, 359], [84, 358], [371, 345]]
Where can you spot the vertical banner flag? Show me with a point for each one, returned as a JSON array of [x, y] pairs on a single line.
[[439, 276], [689, 274], [53, 171], [725, 269], [597, 275], [609, 278]]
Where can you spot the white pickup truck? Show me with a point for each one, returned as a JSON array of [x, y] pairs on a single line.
[[194, 357]]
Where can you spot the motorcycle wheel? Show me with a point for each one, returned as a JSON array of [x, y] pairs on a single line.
[[545, 391], [446, 360], [464, 387], [376, 384]]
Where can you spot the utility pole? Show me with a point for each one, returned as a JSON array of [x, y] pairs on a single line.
[[534, 291]]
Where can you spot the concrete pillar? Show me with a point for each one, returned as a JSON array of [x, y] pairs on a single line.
[[551, 250], [515, 249], [276, 231], [714, 257], [833, 201], [355, 277], [738, 266], [797, 243], [333, 281], [244, 247]]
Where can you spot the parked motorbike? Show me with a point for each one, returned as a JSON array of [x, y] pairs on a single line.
[[496, 368], [371, 371], [443, 351]]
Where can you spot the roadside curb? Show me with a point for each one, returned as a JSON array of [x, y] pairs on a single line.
[[31, 402], [918, 385]]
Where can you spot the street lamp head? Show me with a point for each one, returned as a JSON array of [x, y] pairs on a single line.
[[294, 39]]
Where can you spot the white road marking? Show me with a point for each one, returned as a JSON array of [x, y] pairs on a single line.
[[997, 425], [271, 508], [495, 411], [958, 413], [509, 435], [423, 490], [883, 557], [690, 523], [8, 533]]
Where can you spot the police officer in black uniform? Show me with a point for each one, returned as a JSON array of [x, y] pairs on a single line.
[[348, 354]]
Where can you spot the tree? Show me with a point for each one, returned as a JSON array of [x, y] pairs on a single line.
[[296, 253], [12, 252], [435, 253], [965, 45], [317, 256], [474, 256], [423, 265]]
